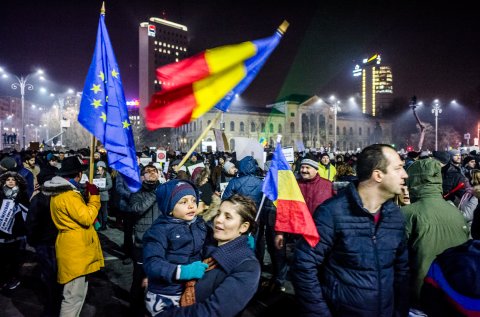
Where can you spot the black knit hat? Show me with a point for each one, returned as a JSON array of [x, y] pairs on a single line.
[[442, 156], [71, 165]]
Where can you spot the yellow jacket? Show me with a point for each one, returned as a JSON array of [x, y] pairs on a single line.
[[77, 248], [327, 173]]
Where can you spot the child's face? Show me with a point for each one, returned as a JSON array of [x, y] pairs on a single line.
[[11, 182], [185, 208]]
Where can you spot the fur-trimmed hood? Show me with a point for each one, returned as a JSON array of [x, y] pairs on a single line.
[[18, 178], [56, 186]]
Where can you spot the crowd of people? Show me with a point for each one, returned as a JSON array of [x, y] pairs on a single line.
[[392, 230]]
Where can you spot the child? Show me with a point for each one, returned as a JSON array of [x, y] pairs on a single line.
[[173, 244]]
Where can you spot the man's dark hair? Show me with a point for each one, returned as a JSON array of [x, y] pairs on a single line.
[[371, 158]]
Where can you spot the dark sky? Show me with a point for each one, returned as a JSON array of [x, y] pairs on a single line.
[[433, 49]]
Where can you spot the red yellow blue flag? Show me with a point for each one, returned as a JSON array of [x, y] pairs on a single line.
[[281, 187], [195, 85]]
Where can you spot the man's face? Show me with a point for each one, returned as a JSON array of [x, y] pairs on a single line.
[[193, 159], [325, 160], [150, 174], [61, 156], [394, 179], [471, 164], [456, 159], [307, 172], [31, 162]]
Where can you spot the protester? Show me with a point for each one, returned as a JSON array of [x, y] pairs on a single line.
[[102, 173], [234, 272], [432, 224], [143, 204], [14, 201], [325, 168], [77, 248], [360, 265], [172, 245]]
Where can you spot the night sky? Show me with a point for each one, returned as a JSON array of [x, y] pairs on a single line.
[[433, 49]]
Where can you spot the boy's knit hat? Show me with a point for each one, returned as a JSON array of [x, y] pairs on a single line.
[[169, 193], [180, 190]]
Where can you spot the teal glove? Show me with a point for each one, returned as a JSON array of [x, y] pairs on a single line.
[[195, 270], [251, 242]]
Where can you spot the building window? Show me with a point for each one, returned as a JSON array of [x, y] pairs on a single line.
[[252, 127], [330, 129], [262, 127], [292, 127], [242, 127], [232, 145], [271, 127], [232, 126], [279, 128], [292, 114], [351, 131], [360, 131], [344, 131], [338, 130]]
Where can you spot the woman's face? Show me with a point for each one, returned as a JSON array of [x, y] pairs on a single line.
[[10, 182], [185, 208], [100, 169], [228, 224]]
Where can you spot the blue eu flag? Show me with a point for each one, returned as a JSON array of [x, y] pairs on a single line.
[[103, 110]]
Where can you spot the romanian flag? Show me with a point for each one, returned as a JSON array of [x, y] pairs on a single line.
[[195, 85], [281, 187]]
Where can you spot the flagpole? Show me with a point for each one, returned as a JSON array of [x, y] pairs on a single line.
[[90, 169], [194, 146]]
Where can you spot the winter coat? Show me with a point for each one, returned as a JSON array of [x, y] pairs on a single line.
[[452, 284], [247, 184], [452, 176], [40, 227], [77, 248], [123, 192], [170, 242], [358, 268], [433, 224], [20, 199], [104, 192], [225, 290], [327, 172], [315, 191], [144, 205]]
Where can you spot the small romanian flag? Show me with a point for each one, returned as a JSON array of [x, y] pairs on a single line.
[[195, 85], [281, 187]]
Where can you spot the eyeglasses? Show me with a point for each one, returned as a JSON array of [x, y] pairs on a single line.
[[150, 172]]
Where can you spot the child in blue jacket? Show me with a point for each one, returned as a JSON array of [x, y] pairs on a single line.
[[173, 245]]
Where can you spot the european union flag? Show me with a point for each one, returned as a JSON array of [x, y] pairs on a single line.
[[103, 110]]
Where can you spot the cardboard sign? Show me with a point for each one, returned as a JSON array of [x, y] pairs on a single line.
[[100, 182], [84, 178], [288, 153], [161, 156], [7, 215]]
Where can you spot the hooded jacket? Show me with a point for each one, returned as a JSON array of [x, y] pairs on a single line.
[[77, 247], [170, 242], [20, 198], [432, 223], [247, 183]]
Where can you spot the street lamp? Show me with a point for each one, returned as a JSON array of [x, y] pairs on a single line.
[[436, 110], [22, 84], [335, 107]]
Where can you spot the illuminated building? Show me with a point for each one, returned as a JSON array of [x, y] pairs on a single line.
[[161, 42], [376, 85]]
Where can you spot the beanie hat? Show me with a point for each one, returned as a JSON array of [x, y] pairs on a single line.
[[442, 156], [8, 163], [309, 162], [227, 166], [467, 159], [454, 152], [50, 157], [180, 190], [101, 164], [324, 154]]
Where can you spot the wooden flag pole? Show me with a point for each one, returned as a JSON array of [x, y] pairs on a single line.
[[91, 165], [185, 158]]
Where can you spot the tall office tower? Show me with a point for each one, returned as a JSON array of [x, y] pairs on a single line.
[[376, 85], [161, 42]]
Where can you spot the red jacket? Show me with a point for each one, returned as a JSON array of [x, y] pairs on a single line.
[[315, 191]]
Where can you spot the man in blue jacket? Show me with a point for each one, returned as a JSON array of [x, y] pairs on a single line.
[[360, 265]]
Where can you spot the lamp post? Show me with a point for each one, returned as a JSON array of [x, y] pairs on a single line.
[[335, 108], [436, 110], [22, 84]]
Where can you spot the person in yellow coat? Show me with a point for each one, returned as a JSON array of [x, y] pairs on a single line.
[[77, 247], [326, 169]]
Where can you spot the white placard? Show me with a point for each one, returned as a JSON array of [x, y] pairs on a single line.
[[249, 147], [161, 156], [100, 182], [288, 153], [223, 186], [7, 215], [300, 145], [165, 167], [145, 160], [84, 178], [191, 168]]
